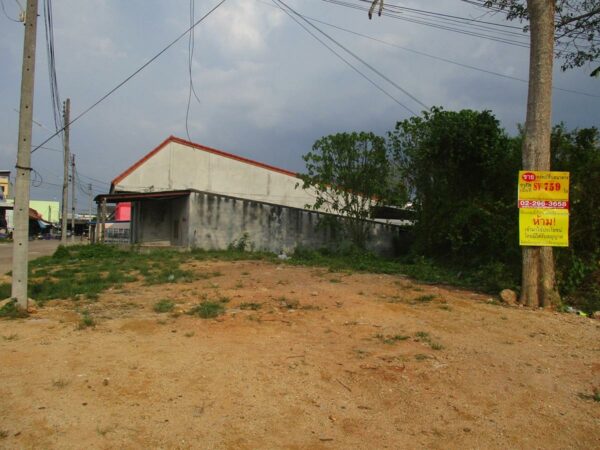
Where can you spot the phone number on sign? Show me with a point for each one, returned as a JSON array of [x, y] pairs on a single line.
[[551, 204]]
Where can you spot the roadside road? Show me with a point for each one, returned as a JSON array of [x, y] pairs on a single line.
[[36, 249]]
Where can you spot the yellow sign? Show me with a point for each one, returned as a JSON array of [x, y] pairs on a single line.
[[548, 189], [544, 227]]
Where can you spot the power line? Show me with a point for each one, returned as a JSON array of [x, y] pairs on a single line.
[[142, 67], [399, 16], [6, 14], [191, 89], [439, 58], [348, 63], [408, 94], [51, 61], [433, 13]]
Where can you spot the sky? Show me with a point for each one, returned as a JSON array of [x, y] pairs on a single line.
[[267, 89]]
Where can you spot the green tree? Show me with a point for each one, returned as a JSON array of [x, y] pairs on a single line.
[[578, 266], [576, 27], [460, 169], [349, 174]]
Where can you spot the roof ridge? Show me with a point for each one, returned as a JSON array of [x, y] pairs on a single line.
[[205, 148]]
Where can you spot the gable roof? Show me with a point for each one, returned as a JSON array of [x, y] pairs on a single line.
[[214, 151]]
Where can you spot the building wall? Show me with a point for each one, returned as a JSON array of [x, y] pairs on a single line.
[[180, 167], [161, 222], [5, 184], [49, 210], [123, 211], [216, 221]]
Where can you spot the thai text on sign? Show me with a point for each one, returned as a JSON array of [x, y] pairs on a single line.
[[543, 199], [543, 189], [544, 227]]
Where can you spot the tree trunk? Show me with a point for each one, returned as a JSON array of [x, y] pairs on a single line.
[[538, 277]]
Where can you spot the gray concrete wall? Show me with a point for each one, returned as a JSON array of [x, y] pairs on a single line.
[[216, 221], [161, 222]]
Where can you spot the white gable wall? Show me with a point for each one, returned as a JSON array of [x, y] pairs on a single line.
[[178, 167]]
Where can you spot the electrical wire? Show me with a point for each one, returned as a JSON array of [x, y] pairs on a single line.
[[6, 14], [192, 89], [142, 67], [439, 58], [348, 63], [51, 60], [557, 21], [429, 23], [393, 83]]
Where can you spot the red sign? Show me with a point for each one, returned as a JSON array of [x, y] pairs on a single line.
[[528, 176]]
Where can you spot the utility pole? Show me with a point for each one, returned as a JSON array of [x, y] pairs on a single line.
[[65, 190], [23, 175], [73, 198], [90, 214]]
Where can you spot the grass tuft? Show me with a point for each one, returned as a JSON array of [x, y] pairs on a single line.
[[11, 310], [86, 321], [207, 310], [251, 306], [163, 306]]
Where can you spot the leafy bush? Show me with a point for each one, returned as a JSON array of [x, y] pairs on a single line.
[[461, 168]]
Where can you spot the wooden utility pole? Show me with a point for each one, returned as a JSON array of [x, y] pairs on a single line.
[[65, 190], [23, 175], [72, 198]]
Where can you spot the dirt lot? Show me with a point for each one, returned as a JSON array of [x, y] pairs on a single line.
[[330, 360]]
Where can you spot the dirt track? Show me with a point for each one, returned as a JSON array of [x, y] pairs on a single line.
[[361, 361]]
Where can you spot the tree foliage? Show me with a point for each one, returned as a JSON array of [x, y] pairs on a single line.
[[578, 152], [460, 168], [577, 28], [349, 174]]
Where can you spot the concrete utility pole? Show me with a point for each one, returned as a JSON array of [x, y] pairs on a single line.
[[72, 198], [65, 190], [23, 175], [90, 214]]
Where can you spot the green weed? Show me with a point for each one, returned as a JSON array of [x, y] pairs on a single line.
[[423, 336], [594, 396], [425, 298], [163, 306], [86, 321], [5, 290], [207, 310], [251, 306], [288, 303], [11, 310]]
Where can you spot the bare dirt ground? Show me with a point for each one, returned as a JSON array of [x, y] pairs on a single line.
[[330, 360]]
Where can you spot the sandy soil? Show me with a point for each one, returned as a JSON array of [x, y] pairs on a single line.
[[327, 373]]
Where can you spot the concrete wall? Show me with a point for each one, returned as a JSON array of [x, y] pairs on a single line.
[[161, 222], [216, 221], [180, 167]]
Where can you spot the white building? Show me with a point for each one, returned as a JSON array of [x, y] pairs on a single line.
[[177, 164]]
